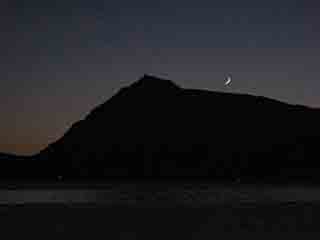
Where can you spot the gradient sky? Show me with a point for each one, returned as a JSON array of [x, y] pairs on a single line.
[[59, 59]]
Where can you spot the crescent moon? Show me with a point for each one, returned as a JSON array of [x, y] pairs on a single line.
[[228, 81]]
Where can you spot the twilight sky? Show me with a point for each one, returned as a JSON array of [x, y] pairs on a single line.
[[60, 59]]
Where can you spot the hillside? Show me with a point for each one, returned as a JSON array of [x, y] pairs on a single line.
[[156, 129]]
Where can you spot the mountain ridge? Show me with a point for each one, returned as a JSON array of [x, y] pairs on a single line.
[[154, 128]]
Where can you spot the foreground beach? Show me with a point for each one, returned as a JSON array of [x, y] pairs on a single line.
[[91, 221], [159, 211]]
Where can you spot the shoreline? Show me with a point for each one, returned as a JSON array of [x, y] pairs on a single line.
[[160, 194]]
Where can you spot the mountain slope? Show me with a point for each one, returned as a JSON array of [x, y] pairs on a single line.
[[156, 129]]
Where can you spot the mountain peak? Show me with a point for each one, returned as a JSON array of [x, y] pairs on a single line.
[[147, 88], [152, 82]]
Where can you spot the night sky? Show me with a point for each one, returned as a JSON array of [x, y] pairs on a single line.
[[60, 59]]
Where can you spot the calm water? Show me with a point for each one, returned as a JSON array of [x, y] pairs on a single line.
[[181, 211], [142, 194]]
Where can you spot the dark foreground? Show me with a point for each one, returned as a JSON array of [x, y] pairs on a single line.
[[93, 221]]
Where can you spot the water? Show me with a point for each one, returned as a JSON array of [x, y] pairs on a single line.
[[160, 194], [174, 211]]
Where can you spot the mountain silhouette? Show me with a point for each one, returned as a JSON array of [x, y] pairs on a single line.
[[154, 129], [8, 156]]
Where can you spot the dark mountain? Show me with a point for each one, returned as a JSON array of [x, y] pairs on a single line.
[[17, 167], [5, 156], [155, 129], [13, 157]]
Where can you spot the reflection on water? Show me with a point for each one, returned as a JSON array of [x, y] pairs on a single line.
[[162, 194]]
